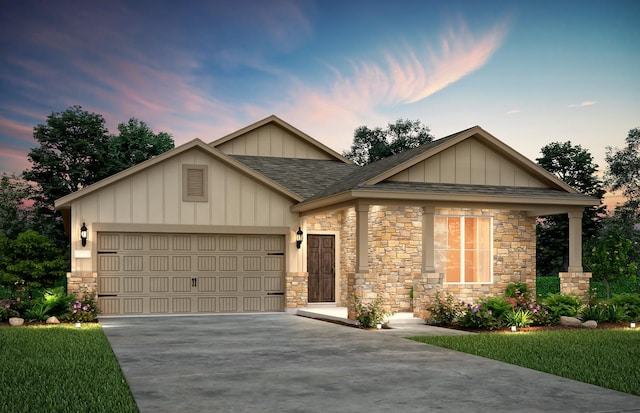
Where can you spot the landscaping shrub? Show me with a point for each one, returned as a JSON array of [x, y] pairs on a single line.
[[371, 314], [84, 309], [486, 314], [6, 312], [58, 300], [445, 311], [547, 285], [517, 294], [519, 317], [630, 303], [562, 305], [596, 312], [616, 287], [39, 311]]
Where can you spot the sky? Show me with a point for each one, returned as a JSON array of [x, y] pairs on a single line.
[[530, 73]]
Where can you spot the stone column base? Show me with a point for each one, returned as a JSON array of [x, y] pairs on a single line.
[[425, 288], [575, 283], [296, 288], [80, 282]]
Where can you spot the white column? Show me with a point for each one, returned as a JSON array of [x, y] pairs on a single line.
[[428, 234], [362, 239], [575, 241]]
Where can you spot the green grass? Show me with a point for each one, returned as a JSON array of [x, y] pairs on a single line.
[[60, 369], [606, 358]]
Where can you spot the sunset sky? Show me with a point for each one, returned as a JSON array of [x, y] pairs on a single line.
[[530, 72]]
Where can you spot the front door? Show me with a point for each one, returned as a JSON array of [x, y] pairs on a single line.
[[321, 268]]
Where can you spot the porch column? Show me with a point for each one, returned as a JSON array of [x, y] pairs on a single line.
[[362, 239], [575, 241], [428, 230]]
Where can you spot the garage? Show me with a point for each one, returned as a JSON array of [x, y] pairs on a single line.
[[167, 273]]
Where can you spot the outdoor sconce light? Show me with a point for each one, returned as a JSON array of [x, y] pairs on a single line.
[[299, 234], [83, 234]]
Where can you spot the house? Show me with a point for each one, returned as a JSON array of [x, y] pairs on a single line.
[[269, 219]]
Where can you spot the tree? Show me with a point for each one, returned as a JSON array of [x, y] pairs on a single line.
[[574, 165], [136, 143], [15, 211], [623, 174], [613, 257], [73, 153], [30, 257], [370, 145], [76, 151]]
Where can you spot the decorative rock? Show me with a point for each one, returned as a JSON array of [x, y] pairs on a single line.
[[590, 324], [570, 321], [16, 321], [53, 320]]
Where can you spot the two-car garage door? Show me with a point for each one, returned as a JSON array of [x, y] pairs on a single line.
[[189, 273]]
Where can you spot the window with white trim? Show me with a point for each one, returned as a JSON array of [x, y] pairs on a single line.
[[463, 248]]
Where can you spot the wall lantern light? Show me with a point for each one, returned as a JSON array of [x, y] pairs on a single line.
[[83, 234], [299, 235]]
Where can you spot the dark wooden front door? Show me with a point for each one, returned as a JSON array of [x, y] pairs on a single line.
[[321, 268]]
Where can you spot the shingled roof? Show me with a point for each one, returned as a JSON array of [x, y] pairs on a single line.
[[306, 177]]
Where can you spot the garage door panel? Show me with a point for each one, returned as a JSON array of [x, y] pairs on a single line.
[[228, 284], [207, 284], [181, 304], [132, 305], [190, 273], [252, 284], [181, 284], [252, 304], [273, 303], [108, 263], [228, 304], [158, 305], [132, 285], [272, 284], [206, 263], [109, 285], [159, 284]]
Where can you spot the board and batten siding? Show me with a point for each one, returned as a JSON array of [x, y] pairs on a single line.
[[272, 140], [153, 196], [468, 162]]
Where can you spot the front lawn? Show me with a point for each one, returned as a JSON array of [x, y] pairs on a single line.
[[60, 369], [606, 358]]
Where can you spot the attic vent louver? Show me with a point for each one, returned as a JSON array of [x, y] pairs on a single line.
[[195, 183]]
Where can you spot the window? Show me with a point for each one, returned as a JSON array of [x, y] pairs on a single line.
[[195, 184], [463, 248]]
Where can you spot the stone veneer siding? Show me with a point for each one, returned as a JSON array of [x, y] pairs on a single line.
[[395, 256], [80, 282]]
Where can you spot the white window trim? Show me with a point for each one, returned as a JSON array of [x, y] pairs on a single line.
[[462, 235]]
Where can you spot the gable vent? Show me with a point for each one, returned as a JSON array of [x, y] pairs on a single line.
[[194, 183]]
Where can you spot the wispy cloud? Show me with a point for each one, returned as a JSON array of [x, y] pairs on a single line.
[[513, 111], [421, 71], [361, 93], [583, 104]]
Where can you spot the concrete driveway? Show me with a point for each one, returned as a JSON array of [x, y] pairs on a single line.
[[286, 363]]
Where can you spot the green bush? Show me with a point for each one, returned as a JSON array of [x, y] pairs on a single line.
[[630, 303], [517, 294], [519, 317], [616, 288], [58, 300], [368, 315], [562, 305], [485, 314], [84, 309], [546, 286], [6, 312], [596, 312], [39, 311], [445, 311]]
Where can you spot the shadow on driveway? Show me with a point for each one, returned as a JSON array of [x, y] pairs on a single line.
[[285, 363]]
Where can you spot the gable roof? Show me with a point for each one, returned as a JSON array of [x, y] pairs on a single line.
[[370, 178], [65, 202], [293, 130]]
